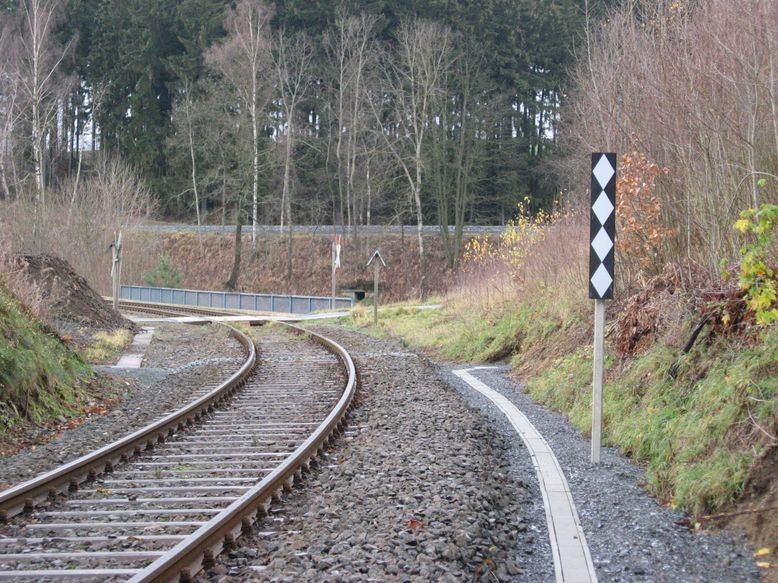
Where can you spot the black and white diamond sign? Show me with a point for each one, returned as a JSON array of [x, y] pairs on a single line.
[[602, 227]]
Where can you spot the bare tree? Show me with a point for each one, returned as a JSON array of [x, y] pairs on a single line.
[[38, 70], [244, 60], [693, 87], [292, 59], [9, 110], [452, 148], [415, 77], [350, 47]]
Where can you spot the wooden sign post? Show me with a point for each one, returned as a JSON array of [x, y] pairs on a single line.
[[376, 267], [116, 267], [601, 274]]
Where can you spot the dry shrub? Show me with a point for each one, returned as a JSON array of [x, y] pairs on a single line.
[[78, 221], [541, 255], [641, 234], [698, 83], [660, 310], [649, 312], [17, 280]]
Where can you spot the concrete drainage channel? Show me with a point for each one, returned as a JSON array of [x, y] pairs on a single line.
[[572, 560], [133, 358]]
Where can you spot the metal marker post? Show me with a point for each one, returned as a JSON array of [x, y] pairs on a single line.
[[376, 266], [601, 274], [335, 266], [375, 293], [599, 365], [116, 268]]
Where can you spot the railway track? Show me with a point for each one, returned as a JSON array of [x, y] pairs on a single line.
[[168, 311], [162, 503]]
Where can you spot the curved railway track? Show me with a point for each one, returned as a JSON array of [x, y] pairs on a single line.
[[167, 310], [161, 503]]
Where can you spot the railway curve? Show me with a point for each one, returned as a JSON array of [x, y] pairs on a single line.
[[161, 503]]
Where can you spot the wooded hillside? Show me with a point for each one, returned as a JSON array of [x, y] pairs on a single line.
[[292, 111]]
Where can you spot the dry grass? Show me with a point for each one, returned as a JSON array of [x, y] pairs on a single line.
[[206, 261], [551, 263], [78, 222], [106, 346], [17, 282]]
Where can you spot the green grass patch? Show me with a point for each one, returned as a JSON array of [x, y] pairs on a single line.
[[40, 377], [697, 431], [471, 335], [107, 346]]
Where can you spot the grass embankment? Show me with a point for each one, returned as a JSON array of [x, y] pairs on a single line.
[[40, 377], [699, 431], [106, 346]]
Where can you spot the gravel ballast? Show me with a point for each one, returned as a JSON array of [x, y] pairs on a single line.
[[180, 359], [419, 488], [428, 483], [431, 483]]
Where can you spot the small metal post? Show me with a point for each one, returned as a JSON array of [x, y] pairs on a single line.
[[375, 293], [334, 277], [116, 268], [599, 355]]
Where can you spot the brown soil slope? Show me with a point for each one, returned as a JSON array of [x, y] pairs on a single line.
[[206, 261]]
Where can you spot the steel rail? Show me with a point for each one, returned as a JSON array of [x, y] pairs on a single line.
[[199, 549], [68, 476], [173, 310]]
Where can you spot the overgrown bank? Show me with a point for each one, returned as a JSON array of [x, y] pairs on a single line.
[[703, 423], [40, 377], [205, 262]]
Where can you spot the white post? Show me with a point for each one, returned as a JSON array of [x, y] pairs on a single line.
[[334, 277], [115, 266], [375, 293], [599, 355]]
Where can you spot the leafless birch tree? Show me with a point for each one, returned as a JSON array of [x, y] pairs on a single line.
[[9, 104], [350, 48], [415, 77], [244, 60], [38, 71], [292, 60]]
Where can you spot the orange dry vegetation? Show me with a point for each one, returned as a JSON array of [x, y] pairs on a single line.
[[641, 233]]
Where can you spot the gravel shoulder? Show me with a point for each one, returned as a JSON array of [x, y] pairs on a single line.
[[179, 360], [630, 535]]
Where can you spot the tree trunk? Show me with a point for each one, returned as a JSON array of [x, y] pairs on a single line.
[[287, 195], [232, 282], [255, 139], [37, 153], [190, 133]]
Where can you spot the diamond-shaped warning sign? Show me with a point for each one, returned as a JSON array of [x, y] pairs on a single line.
[[602, 226]]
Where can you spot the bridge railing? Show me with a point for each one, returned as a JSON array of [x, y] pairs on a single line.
[[289, 304]]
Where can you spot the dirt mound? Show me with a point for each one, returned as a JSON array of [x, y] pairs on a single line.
[[66, 300]]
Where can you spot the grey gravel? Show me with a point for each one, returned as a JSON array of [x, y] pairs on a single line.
[[183, 359], [630, 535], [416, 489]]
